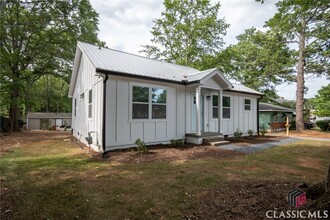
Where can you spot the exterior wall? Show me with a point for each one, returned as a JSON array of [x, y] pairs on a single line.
[[122, 130], [33, 124], [264, 119], [241, 119], [82, 126]]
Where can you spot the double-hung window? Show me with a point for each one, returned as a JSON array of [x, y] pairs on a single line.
[[148, 103], [90, 101], [215, 106], [247, 104], [226, 107]]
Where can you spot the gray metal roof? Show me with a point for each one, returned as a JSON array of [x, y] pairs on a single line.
[[117, 61], [50, 115], [266, 107], [241, 88], [105, 59]]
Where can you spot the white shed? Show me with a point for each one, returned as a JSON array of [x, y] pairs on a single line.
[[118, 97]]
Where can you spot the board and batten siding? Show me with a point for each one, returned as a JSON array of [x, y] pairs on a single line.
[[122, 130], [240, 118], [81, 124]]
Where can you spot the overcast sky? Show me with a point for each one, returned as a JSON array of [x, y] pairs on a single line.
[[125, 25]]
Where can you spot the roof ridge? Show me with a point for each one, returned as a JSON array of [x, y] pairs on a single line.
[[119, 51]]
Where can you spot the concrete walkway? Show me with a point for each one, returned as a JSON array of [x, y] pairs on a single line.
[[258, 147]]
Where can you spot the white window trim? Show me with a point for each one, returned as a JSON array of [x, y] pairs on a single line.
[[247, 104], [88, 104], [231, 107], [149, 119]]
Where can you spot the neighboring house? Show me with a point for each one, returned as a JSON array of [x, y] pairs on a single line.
[[46, 120], [274, 115], [119, 97]]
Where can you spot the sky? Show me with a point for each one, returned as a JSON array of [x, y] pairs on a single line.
[[125, 25]]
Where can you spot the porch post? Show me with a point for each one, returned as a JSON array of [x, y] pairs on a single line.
[[198, 110], [220, 111]]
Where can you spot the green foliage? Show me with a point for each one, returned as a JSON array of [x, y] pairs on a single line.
[[39, 38], [322, 100], [177, 143], [142, 148], [188, 33], [238, 133], [260, 60], [324, 125], [307, 24], [250, 132]]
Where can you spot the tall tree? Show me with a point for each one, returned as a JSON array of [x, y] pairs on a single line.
[[260, 60], [38, 38], [322, 100], [305, 22], [187, 32]]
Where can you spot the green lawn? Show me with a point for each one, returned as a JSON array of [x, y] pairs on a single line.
[[54, 179]]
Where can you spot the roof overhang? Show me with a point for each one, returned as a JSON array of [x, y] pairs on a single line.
[[75, 70], [219, 78]]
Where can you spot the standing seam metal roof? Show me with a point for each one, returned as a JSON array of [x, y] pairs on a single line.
[[121, 62]]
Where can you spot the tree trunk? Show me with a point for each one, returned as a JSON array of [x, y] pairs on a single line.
[[300, 80], [13, 110]]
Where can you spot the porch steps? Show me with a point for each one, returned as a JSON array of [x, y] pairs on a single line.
[[215, 141]]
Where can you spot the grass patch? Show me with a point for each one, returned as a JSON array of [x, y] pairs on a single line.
[[57, 180]]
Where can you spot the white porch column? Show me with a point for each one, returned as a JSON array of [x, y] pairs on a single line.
[[220, 111], [198, 110]]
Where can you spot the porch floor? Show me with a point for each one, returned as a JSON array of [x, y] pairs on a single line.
[[204, 135]]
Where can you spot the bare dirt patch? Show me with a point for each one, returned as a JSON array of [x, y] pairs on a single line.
[[248, 141], [10, 141], [167, 153]]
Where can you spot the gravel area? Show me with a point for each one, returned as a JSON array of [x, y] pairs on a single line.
[[258, 147]]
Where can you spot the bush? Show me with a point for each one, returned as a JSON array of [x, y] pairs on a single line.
[[238, 133], [177, 142], [250, 132], [142, 148], [323, 124]]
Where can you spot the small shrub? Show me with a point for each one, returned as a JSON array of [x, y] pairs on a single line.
[[142, 148], [324, 125], [177, 143], [250, 132], [238, 133]]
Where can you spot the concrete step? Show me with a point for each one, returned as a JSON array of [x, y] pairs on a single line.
[[208, 140], [218, 143]]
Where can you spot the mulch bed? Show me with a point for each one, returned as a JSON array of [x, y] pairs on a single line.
[[166, 153]]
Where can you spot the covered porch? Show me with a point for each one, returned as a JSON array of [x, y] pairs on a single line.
[[206, 108]]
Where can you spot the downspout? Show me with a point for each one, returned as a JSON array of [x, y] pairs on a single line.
[[104, 152], [258, 114]]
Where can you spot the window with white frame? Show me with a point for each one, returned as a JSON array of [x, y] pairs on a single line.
[[75, 107], [90, 101], [226, 107], [215, 106], [82, 96], [147, 99], [247, 104], [158, 103]]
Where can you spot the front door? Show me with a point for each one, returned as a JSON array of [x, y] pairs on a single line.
[[194, 116]]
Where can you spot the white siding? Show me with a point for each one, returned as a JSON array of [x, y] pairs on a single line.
[[81, 124], [122, 130]]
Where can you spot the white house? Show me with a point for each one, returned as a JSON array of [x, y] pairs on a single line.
[[118, 97]]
